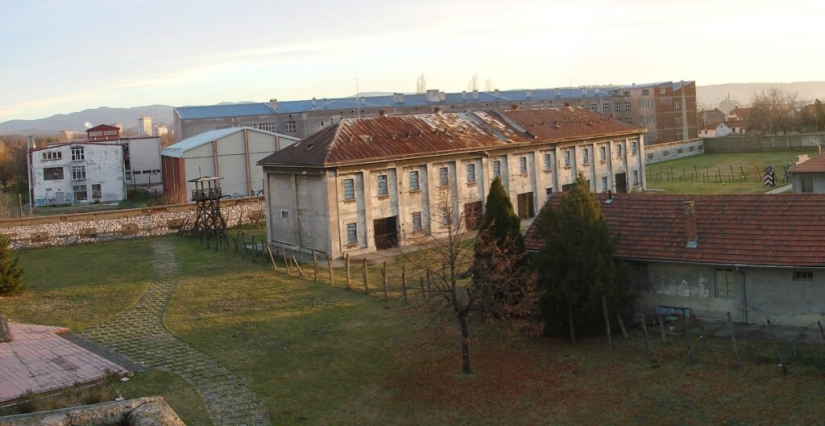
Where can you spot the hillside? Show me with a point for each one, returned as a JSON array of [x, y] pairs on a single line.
[[75, 121]]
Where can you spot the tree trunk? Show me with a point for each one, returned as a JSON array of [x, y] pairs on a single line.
[[465, 344]]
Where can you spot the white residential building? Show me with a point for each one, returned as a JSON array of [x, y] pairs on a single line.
[[78, 173]]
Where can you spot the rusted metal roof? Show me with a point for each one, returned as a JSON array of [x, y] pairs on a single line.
[[354, 141]]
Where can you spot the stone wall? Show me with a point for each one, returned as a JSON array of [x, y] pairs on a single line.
[[753, 143], [119, 224], [673, 150]]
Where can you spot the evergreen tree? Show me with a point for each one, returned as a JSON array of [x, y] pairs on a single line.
[[499, 252], [11, 275], [576, 266]]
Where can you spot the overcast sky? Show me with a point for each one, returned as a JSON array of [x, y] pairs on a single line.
[[62, 56]]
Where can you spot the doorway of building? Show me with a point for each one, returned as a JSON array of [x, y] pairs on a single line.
[[386, 232], [621, 183], [525, 205], [472, 215]]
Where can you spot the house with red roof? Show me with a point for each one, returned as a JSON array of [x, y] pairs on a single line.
[[369, 184], [808, 175], [758, 257]]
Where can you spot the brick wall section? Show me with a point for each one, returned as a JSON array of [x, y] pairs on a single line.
[[673, 150], [118, 224]]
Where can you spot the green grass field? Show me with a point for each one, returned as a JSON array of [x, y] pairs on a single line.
[[319, 354], [720, 173]]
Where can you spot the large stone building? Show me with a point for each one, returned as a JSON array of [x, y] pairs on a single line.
[[667, 109], [366, 184]]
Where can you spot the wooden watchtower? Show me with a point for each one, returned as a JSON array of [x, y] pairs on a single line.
[[209, 222]]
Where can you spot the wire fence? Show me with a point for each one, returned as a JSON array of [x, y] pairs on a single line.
[[729, 174]]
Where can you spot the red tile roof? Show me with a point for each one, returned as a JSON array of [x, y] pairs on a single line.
[[356, 141], [813, 165], [782, 230]]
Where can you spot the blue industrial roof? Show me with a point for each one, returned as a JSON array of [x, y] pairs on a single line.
[[216, 111], [350, 103]]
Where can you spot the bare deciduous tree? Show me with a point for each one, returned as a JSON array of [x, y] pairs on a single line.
[[472, 86], [421, 85], [773, 112], [447, 256]]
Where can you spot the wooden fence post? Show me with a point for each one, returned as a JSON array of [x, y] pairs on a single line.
[[607, 323], [621, 325], [687, 338], [647, 337], [384, 281], [315, 265], [286, 262], [662, 330], [349, 286], [366, 275], [329, 265], [404, 282], [297, 265], [704, 335], [271, 257], [733, 343]]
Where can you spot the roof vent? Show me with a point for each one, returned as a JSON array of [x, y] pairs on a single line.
[[567, 104], [437, 110], [514, 107]]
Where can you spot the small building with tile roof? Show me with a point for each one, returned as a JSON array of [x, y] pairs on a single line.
[[229, 153], [368, 184], [808, 175], [758, 257]]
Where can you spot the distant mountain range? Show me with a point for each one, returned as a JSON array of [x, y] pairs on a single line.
[[707, 97]]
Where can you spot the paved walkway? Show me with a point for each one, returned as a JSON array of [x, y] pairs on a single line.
[[138, 334], [780, 190], [39, 360]]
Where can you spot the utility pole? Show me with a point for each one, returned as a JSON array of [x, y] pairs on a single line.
[[29, 147]]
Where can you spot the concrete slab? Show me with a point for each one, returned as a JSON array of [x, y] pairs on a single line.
[[39, 360]]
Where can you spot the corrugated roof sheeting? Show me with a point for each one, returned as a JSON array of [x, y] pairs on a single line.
[[391, 137]]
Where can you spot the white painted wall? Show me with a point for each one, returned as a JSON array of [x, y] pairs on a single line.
[[104, 167]]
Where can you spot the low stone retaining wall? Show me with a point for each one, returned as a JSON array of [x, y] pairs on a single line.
[[119, 224], [673, 150]]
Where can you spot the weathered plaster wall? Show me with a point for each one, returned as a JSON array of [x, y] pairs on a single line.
[[688, 286], [118, 224]]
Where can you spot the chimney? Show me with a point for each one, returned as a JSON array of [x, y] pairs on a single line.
[[529, 94], [514, 107], [690, 224], [475, 93], [382, 112], [437, 110], [464, 95], [496, 93], [313, 102], [273, 103], [567, 104]]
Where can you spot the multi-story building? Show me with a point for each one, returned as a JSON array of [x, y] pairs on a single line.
[[667, 109], [145, 126], [77, 173], [367, 184], [102, 133]]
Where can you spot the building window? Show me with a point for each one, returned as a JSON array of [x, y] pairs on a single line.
[[617, 107], [444, 176], [284, 214], [594, 107], [270, 127], [645, 92], [51, 155], [496, 168], [602, 153], [352, 233], [566, 158], [471, 173], [53, 173], [628, 120], [80, 193], [724, 282], [633, 148], [416, 222], [636, 178], [349, 189], [290, 126], [627, 106], [78, 172], [626, 93], [605, 108], [414, 180], [78, 153], [382, 185], [548, 161], [548, 191], [522, 165], [645, 103], [96, 191], [806, 184], [585, 156], [803, 275], [604, 183], [618, 151]]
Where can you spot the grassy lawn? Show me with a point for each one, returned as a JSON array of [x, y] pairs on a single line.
[[699, 174], [320, 354]]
